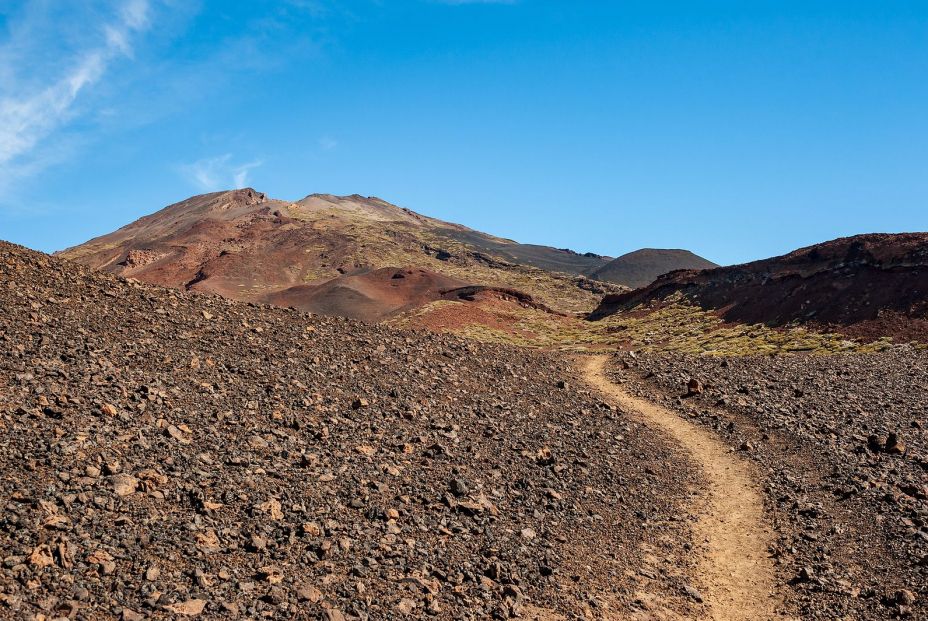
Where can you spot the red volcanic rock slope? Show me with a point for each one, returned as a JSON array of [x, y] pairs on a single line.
[[866, 286], [331, 254], [369, 296]]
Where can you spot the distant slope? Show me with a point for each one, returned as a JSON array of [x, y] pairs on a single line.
[[369, 296], [244, 245], [642, 267], [544, 257], [868, 286]]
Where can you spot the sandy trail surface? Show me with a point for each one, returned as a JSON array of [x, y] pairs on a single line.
[[735, 574]]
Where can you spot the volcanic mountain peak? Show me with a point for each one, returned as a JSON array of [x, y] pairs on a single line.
[[236, 204], [231, 201], [183, 215], [355, 206], [642, 267], [244, 245]]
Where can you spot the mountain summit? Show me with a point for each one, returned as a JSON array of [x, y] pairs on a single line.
[[642, 267], [329, 253]]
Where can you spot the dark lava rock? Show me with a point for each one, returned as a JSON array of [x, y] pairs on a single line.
[[848, 493], [221, 481]]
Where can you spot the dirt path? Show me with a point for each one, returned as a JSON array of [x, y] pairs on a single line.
[[735, 574]]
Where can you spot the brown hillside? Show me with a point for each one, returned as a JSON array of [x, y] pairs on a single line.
[[867, 286], [245, 246], [369, 296]]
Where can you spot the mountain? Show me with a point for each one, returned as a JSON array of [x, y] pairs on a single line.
[[641, 267], [866, 286], [333, 254], [561, 260]]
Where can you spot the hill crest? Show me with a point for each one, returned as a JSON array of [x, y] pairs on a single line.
[[866, 286], [641, 267], [244, 245]]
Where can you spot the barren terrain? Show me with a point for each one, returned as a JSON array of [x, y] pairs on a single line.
[[865, 287], [172, 453], [169, 454], [841, 443]]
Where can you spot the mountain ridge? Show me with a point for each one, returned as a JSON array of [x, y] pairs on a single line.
[[245, 245], [869, 286]]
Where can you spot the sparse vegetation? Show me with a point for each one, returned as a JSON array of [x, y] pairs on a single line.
[[676, 327]]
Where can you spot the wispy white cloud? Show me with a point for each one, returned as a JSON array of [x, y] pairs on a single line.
[[32, 111], [327, 143], [217, 173]]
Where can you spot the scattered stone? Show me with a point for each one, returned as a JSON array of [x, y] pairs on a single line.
[[180, 434], [904, 597], [272, 508], [333, 614], [130, 615], [256, 543], [459, 487], [894, 444], [694, 387], [189, 608], [309, 593], [271, 574], [41, 557], [693, 593], [124, 484], [406, 606]]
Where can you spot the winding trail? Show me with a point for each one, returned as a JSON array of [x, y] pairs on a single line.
[[735, 573]]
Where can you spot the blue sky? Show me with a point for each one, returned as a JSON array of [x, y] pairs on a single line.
[[738, 129]]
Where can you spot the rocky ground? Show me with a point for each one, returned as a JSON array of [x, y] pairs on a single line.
[[844, 442], [168, 455]]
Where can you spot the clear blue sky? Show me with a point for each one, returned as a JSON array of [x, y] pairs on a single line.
[[738, 129]]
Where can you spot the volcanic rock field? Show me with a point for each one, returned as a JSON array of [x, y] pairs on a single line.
[[169, 455], [842, 442]]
